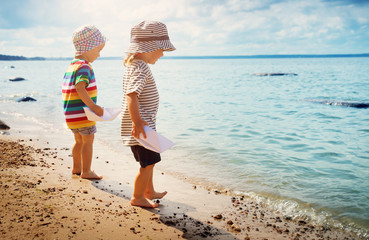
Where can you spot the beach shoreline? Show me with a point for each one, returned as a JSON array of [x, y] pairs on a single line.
[[189, 211]]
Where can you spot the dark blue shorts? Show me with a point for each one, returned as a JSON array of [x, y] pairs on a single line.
[[145, 156]]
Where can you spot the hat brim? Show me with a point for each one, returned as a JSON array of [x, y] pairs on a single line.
[[150, 46]]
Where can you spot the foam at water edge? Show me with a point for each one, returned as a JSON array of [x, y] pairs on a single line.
[[295, 210]]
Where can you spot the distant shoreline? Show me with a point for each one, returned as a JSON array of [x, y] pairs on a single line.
[[21, 58]]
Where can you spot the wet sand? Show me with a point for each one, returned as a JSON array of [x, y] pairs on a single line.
[[40, 199]]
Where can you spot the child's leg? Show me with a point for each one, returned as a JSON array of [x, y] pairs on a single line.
[[76, 152], [150, 192], [87, 151], [141, 182]]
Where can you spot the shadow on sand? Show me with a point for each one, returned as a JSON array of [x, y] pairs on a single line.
[[172, 214]]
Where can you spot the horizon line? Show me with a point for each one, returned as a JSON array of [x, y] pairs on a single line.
[[259, 56]]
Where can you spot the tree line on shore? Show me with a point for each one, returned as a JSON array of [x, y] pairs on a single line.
[[16, 58]]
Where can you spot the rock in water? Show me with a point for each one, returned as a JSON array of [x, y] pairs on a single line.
[[3, 126], [274, 74], [351, 104], [341, 103], [17, 79], [26, 99], [348, 104]]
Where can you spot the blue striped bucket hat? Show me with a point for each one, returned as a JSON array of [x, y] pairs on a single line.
[[149, 36]]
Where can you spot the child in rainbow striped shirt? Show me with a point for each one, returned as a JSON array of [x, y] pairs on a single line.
[[79, 90]]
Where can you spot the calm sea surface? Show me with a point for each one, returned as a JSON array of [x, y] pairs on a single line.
[[250, 134]]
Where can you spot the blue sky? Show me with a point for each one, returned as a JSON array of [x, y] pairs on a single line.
[[196, 27]]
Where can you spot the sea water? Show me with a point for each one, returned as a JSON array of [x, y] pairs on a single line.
[[256, 135]]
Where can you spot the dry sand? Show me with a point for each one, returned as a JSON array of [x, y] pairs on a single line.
[[39, 201]]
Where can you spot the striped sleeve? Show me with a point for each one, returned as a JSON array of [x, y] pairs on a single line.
[[137, 80], [83, 74]]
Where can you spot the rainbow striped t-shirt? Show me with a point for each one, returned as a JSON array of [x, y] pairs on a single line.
[[79, 70]]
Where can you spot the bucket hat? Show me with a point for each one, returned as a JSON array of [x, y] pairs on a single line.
[[86, 38], [149, 36]]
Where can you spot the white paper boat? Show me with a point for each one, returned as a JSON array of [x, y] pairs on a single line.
[[109, 114], [154, 141]]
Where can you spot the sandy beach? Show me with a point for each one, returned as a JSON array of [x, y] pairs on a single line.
[[41, 199]]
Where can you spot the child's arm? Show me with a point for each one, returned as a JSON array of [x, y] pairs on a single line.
[[137, 122], [82, 93]]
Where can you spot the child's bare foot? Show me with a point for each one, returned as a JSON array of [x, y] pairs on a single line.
[[76, 172], [155, 195], [143, 202], [90, 175]]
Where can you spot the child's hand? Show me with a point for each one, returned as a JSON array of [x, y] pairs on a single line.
[[138, 128], [99, 111]]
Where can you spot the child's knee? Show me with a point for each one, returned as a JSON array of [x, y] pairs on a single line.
[[148, 167], [88, 139], [78, 138], [78, 144]]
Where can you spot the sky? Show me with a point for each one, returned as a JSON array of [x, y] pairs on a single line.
[[196, 27]]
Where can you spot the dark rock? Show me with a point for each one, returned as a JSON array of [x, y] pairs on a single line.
[[301, 222], [274, 74], [3, 126], [349, 104], [236, 228], [17, 79], [230, 222], [26, 99], [341, 103]]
